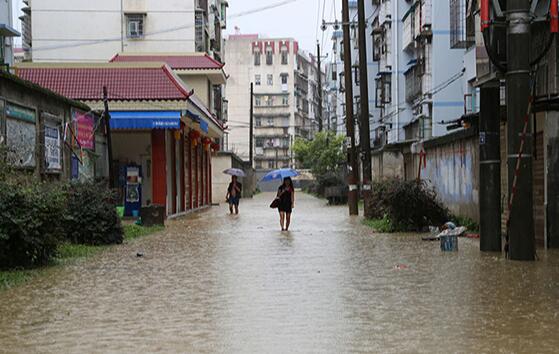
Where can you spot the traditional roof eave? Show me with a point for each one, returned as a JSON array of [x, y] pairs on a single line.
[[32, 86], [216, 76]]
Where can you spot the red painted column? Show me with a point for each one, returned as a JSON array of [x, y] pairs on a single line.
[[159, 176], [173, 170], [210, 175], [190, 184], [183, 172], [196, 181]]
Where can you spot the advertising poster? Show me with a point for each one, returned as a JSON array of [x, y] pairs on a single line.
[[84, 124], [20, 135], [52, 148]]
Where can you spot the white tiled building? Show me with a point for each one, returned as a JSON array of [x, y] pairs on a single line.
[[94, 31], [285, 97]]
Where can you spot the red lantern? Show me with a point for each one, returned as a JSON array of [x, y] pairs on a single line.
[[194, 136]]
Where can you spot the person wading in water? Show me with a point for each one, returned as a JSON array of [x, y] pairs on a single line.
[[286, 195], [234, 194]]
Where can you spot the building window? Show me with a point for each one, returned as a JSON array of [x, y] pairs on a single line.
[[334, 72], [257, 80], [2, 55], [270, 80], [135, 25], [256, 58], [284, 57], [258, 123], [257, 101], [269, 56], [283, 79], [270, 100], [285, 100]]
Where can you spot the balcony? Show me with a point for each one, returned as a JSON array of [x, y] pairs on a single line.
[[408, 36], [414, 83], [385, 14]]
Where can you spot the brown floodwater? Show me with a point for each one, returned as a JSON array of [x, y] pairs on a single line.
[[236, 284]]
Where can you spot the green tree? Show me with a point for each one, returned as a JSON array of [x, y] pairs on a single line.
[[323, 155]]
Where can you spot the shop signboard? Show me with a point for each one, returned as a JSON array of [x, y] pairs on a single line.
[[84, 129]]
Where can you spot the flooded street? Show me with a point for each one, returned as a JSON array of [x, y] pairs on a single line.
[[219, 283]]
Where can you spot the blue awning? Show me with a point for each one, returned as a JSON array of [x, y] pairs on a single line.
[[146, 120], [196, 118]]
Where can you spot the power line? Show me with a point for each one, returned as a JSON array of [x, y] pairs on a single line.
[[168, 30]]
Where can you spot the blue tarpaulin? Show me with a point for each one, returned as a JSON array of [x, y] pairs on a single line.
[[146, 120]]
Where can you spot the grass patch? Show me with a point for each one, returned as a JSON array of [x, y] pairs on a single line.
[[134, 231], [383, 225], [12, 278], [70, 251]]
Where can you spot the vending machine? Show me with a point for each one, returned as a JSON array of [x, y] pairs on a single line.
[[133, 191]]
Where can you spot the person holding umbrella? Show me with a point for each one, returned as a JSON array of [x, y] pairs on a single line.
[[285, 199], [286, 195], [234, 190]]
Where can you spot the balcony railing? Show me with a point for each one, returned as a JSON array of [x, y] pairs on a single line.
[[414, 84]]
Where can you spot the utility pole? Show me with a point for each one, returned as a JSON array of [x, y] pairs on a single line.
[[353, 168], [490, 168], [365, 135], [520, 233], [251, 127], [107, 119], [319, 86]]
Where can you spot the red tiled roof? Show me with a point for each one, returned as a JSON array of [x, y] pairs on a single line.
[[175, 61], [123, 83]]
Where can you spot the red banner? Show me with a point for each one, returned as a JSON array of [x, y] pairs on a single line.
[[84, 124]]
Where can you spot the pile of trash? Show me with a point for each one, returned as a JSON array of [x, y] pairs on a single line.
[[447, 234]]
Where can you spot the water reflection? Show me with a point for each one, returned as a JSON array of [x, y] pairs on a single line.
[[219, 283]]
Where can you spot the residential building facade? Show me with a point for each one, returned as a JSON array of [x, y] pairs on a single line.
[[285, 83], [94, 31], [7, 33]]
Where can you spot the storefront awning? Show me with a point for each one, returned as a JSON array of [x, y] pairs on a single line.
[[146, 120], [196, 118]]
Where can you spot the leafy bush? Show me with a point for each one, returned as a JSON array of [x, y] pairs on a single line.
[[30, 224], [408, 205], [468, 223], [383, 225], [91, 217]]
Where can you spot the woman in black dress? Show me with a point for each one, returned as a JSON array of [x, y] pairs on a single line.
[[286, 195]]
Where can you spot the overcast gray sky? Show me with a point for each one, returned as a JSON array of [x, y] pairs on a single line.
[[296, 18], [291, 18]]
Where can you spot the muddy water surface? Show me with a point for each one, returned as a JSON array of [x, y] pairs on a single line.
[[218, 283]]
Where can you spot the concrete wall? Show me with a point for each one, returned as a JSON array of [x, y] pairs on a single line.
[[452, 168], [388, 164], [44, 105], [220, 181], [83, 30]]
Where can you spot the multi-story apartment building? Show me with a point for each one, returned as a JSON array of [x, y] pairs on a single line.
[[7, 32], [285, 82], [94, 31], [421, 67], [337, 75], [102, 30]]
